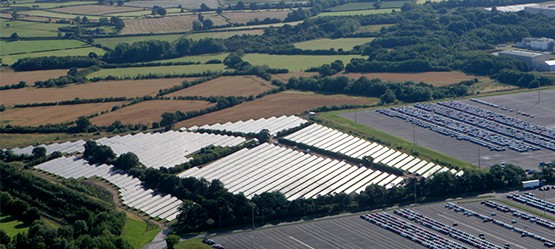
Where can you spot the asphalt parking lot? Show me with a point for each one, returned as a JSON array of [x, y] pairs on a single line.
[[544, 114], [354, 232]]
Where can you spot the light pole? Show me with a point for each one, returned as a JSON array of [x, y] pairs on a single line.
[[543, 183]]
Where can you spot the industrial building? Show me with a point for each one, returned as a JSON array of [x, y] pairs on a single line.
[[547, 10], [536, 61], [541, 44]]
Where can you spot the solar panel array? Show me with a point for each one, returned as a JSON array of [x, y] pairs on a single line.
[[166, 149], [131, 191], [335, 141], [154, 150], [273, 124], [268, 167]]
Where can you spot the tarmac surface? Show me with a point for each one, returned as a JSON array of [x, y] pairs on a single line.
[[544, 114]]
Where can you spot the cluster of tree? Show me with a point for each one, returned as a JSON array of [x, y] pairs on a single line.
[[98, 153], [202, 23], [184, 84], [86, 222], [87, 27], [148, 64], [111, 2], [317, 7], [21, 84], [235, 61], [331, 69], [480, 3], [156, 50], [158, 10], [406, 92], [18, 208], [72, 76], [53, 62]]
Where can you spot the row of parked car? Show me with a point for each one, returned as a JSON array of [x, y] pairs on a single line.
[[501, 118], [519, 214], [444, 109], [410, 231], [523, 233], [212, 243], [446, 229], [530, 200]]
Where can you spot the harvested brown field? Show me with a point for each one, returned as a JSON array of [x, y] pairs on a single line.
[[245, 16], [95, 9], [102, 89], [149, 111], [10, 77], [227, 86], [289, 102], [41, 115], [285, 76], [434, 78], [166, 24]]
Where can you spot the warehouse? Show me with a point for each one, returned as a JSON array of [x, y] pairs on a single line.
[[535, 60]]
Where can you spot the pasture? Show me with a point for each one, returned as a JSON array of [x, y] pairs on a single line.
[[372, 28], [102, 89], [12, 226], [326, 43], [28, 29], [367, 6], [11, 59], [141, 12], [112, 42], [15, 47], [95, 9], [284, 103], [166, 24], [227, 86], [58, 15], [357, 12], [245, 16], [162, 70], [187, 4], [149, 111], [53, 4], [262, 26], [295, 62], [138, 232], [223, 34], [434, 78], [41, 115], [14, 140], [197, 58], [10, 77]]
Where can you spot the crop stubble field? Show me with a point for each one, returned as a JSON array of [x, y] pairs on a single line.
[[102, 89], [166, 24], [326, 43], [40, 115], [82, 51], [136, 71], [245, 16], [149, 111], [10, 77], [227, 86], [95, 9], [434, 78], [284, 103]]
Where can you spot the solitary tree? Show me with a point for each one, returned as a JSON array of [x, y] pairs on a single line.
[[204, 7], [127, 161], [219, 10], [197, 25], [83, 124], [207, 24], [14, 37], [172, 240], [15, 15], [39, 152]]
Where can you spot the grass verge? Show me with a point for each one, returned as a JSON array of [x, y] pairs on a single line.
[[333, 120], [192, 244], [529, 210], [138, 232]]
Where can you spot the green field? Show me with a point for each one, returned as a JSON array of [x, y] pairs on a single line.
[[136, 71], [51, 14], [11, 225], [367, 6], [52, 5], [12, 47], [263, 26], [113, 41], [295, 62], [170, 12], [326, 43], [198, 58], [332, 119], [138, 233], [372, 28], [192, 244], [11, 59], [28, 29], [357, 12], [222, 35]]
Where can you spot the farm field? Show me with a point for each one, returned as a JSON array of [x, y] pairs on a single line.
[[284, 103], [11, 59], [28, 29], [50, 14], [197, 58], [10, 77], [295, 62], [367, 6], [95, 9], [223, 34], [166, 24], [53, 5], [149, 111], [138, 232], [245, 16], [141, 12], [195, 4], [11, 225], [326, 43], [357, 12], [41, 115], [102, 89], [227, 86], [111, 42], [136, 71], [13, 140], [372, 28], [14, 47], [262, 26], [434, 78]]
